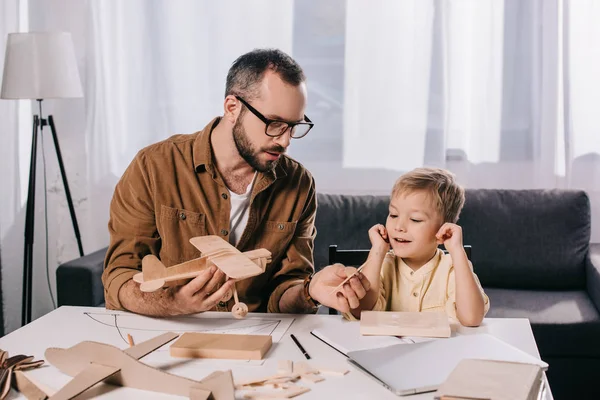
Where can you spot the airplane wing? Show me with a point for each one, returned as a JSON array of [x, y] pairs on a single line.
[[212, 244], [236, 266], [140, 350], [87, 378]]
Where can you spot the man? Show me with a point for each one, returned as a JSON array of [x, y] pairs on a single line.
[[234, 180]]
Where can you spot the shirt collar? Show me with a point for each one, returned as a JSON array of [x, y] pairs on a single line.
[[424, 270]]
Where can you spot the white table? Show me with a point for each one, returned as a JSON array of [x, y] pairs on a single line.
[[67, 326]]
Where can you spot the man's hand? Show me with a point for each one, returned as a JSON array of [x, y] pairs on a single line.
[[202, 293], [347, 297], [451, 236]]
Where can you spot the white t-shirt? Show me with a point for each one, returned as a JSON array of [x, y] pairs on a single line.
[[238, 218]]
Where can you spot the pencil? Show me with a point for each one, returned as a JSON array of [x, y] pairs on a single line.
[[130, 339], [300, 346]]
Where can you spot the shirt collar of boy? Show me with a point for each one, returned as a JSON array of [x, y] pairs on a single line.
[[431, 265]]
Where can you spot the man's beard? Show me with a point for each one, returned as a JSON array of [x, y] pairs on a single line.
[[247, 151]]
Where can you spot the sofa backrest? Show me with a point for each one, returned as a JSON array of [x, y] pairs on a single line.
[[533, 239]]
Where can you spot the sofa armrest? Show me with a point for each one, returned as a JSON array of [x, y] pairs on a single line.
[[79, 282], [592, 270]]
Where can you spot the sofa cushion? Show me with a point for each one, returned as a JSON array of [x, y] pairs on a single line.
[[534, 239], [345, 220], [565, 323]]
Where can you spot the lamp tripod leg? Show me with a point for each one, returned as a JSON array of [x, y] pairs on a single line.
[[29, 225], [63, 174]]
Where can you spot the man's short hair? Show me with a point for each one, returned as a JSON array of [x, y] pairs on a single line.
[[249, 69], [448, 196]]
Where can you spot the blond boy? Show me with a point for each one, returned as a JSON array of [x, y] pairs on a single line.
[[415, 275]]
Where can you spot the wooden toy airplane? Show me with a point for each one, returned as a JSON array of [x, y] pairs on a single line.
[[92, 362], [215, 251]]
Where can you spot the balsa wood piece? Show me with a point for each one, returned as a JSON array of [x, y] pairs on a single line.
[[487, 379], [277, 381], [88, 377], [215, 251], [220, 345], [350, 272], [311, 378], [285, 367], [91, 362], [147, 347], [31, 390], [333, 371], [286, 393], [220, 383], [387, 323], [258, 381], [302, 368]]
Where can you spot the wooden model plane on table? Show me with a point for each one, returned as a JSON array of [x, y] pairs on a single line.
[[90, 363], [215, 251]]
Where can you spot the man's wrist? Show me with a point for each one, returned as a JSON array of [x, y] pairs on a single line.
[[307, 293]]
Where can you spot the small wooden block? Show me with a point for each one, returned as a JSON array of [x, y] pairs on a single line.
[[312, 378], [333, 371], [285, 367], [278, 394], [284, 379], [302, 368], [222, 346]]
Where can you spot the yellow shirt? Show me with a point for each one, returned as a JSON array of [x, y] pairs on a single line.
[[430, 288]]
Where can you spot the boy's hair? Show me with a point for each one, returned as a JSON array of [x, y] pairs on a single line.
[[448, 196]]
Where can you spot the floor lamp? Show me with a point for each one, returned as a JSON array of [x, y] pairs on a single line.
[[40, 66]]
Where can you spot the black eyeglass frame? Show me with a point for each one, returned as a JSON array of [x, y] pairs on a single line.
[[268, 121]]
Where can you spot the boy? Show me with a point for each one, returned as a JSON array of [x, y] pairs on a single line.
[[415, 275]]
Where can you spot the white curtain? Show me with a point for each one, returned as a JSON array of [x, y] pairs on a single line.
[[503, 93], [14, 157]]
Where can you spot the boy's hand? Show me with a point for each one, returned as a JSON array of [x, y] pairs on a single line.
[[451, 236], [379, 238]]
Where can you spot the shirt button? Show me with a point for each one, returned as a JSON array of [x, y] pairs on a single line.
[[281, 226], [224, 232], [415, 294], [224, 195], [182, 216], [412, 272]]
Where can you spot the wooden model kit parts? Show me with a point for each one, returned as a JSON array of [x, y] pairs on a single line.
[[283, 384], [90, 363], [220, 345], [8, 368]]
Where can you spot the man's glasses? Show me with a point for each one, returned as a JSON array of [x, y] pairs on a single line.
[[275, 127]]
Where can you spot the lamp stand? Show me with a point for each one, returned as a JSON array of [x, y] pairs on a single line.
[[39, 121]]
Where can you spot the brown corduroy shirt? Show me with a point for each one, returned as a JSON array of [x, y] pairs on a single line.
[[172, 192]]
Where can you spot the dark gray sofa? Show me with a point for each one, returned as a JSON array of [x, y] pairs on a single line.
[[530, 249]]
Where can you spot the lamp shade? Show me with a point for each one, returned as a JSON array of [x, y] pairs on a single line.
[[40, 65]]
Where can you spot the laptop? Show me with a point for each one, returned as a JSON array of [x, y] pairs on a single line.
[[407, 369]]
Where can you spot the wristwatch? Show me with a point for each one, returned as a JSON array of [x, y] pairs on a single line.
[[307, 296]]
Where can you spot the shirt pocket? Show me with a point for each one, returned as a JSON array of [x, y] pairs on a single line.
[[276, 238], [176, 226]]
